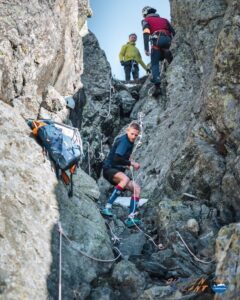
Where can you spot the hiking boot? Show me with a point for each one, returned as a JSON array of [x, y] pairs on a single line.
[[168, 55], [132, 222], [107, 212], [157, 91]]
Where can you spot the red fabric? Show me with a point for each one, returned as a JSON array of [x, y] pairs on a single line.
[[118, 187], [135, 198], [157, 23]]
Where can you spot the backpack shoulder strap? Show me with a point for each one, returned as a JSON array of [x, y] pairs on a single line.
[[36, 125]]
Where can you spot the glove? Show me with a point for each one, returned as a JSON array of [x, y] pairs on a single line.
[[148, 71], [122, 62]]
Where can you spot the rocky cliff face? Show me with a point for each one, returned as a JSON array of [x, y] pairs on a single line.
[[189, 157], [41, 61], [189, 153]]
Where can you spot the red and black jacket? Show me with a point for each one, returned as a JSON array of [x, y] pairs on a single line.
[[154, 23]]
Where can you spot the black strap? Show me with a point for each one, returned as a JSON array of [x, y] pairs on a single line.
[[58, 172], [70, 193]]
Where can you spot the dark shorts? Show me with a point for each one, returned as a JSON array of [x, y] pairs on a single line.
[[108, 174]]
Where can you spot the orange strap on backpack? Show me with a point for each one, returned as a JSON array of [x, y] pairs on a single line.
[[36, 125], [73, 168], [65, 177]]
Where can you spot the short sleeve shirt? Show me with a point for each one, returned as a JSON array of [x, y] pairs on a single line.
[[123, 147]]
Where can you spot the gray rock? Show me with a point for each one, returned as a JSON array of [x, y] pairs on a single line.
[[32, 54], [126, 101], [28, 210], [53, 101], [97, 71], [171, 218], [53, 106], [84, 226], [132, 244], [128, 280], [190, 145], [152, 267], [102, 294], [160, 292], [227, 255], [192, 225]]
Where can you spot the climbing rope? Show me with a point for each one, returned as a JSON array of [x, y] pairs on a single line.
[[111, 91], [60, 262], [114, 238], [87, 255], [90, 150], [89, 160], [195, 257], [140, 122], [101, 155], [91, 155]]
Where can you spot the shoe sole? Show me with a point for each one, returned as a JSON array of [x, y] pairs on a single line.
[[106, 215], [132, 225]]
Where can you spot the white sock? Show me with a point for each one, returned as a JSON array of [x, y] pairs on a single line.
[[108, 205]]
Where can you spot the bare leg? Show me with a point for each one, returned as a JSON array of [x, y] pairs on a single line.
[[121, 179], [134, 188]]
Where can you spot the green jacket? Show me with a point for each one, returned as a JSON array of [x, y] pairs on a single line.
[[130, 52]]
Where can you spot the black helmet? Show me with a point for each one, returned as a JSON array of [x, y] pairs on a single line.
[[147, 10]]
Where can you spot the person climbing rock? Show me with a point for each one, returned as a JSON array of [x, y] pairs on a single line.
[[130, 57], [160, 32], [114, 167]]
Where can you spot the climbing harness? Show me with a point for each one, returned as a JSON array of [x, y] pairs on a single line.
[[133, 64], [195, 257]]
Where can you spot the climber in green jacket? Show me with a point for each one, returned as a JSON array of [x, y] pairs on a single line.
[[130, 57]]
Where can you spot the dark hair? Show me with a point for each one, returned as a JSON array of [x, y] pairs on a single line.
[[132, 34], [134, 125]]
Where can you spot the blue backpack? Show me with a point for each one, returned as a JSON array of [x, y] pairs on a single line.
[[63, 145]]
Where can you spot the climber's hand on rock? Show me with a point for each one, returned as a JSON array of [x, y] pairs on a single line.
[[135, 165]]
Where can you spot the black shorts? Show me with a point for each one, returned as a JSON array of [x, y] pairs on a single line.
[[109, 173]]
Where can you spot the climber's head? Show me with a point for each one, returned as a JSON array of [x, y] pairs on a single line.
[[132, 37], [133, 131], [148, 10]]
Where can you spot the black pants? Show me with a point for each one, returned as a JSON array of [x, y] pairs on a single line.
[[131, 66]]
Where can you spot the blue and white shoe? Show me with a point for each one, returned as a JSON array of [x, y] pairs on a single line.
[[132, 222], [107, 212]]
